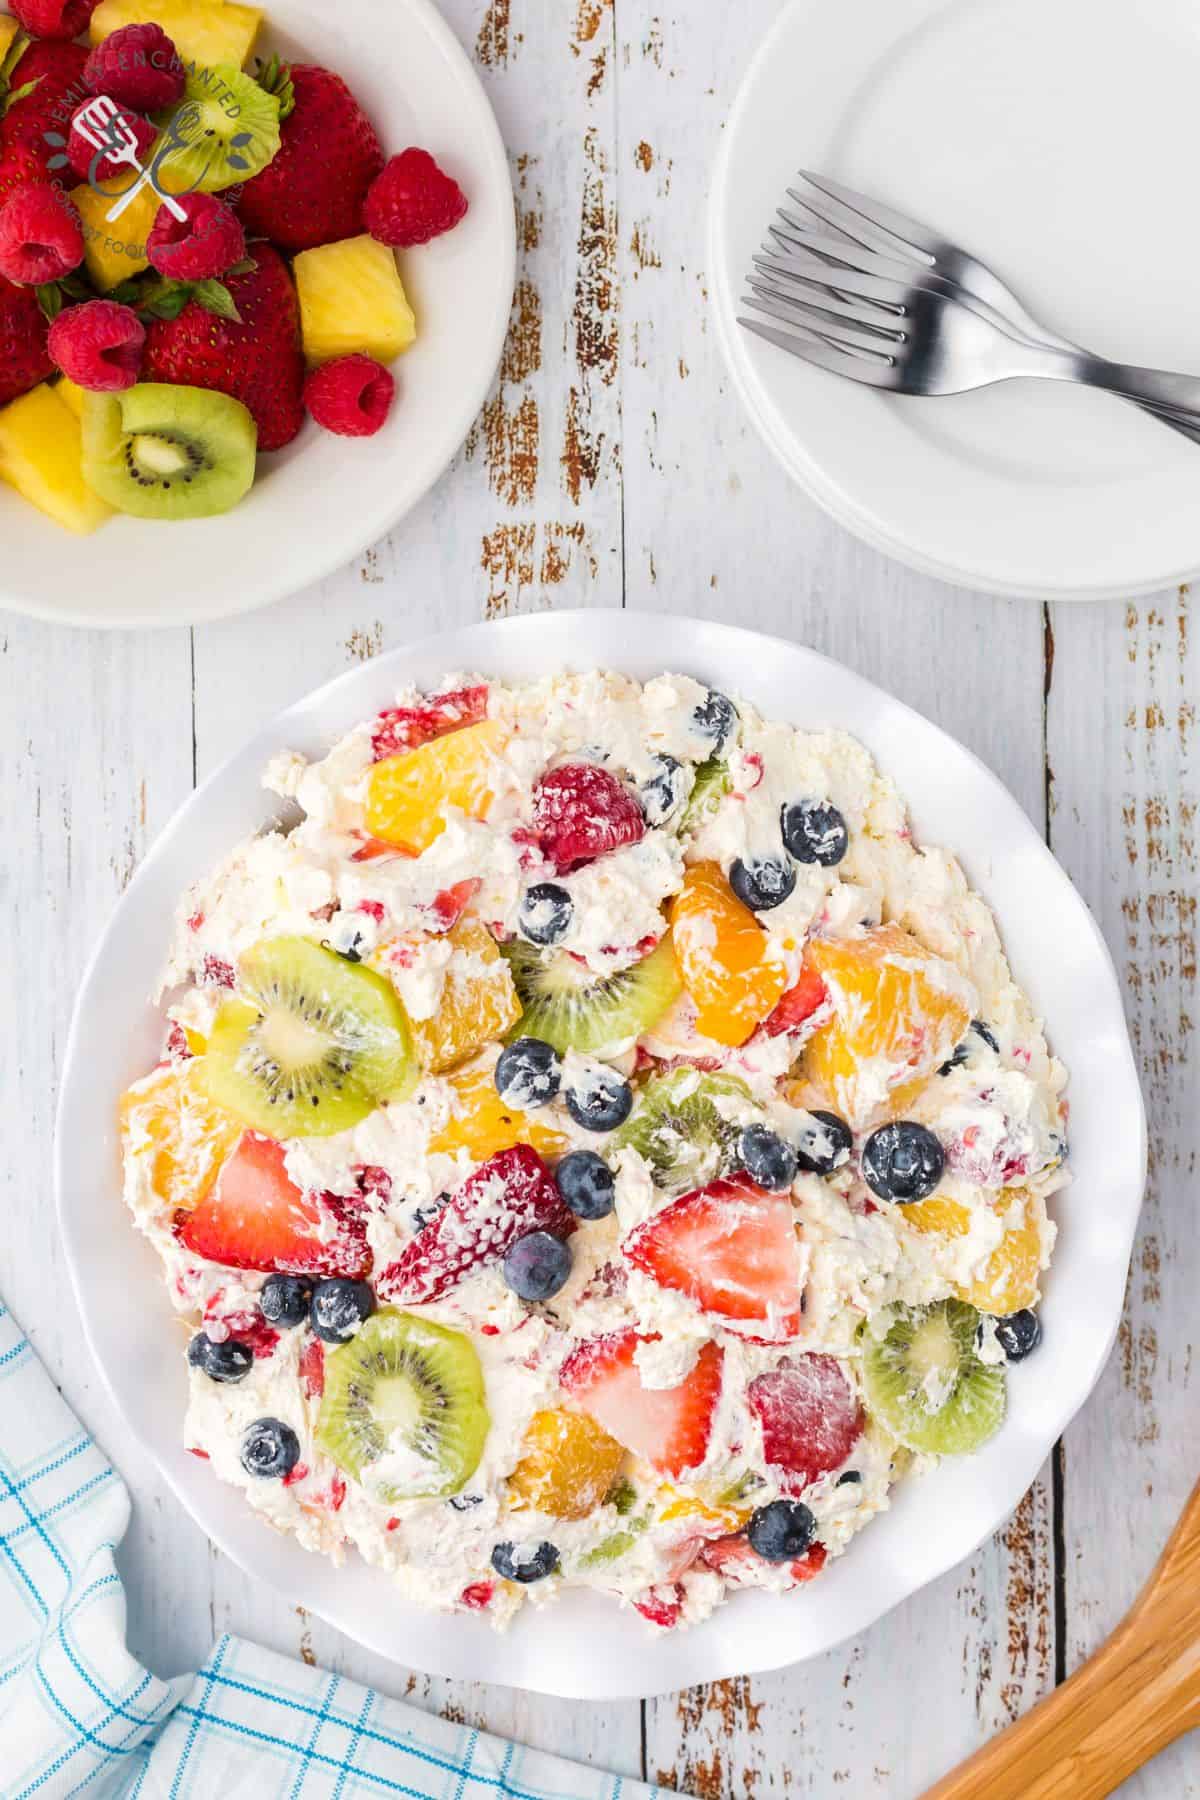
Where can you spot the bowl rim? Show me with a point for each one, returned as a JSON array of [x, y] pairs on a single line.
[[674, 1660]]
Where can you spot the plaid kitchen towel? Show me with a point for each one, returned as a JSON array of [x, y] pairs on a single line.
[[77, 1712]]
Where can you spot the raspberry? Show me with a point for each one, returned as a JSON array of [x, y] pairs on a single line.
[[810, 1418], [40, 236], [581, 812], [207, 243], [137, 65], [54, 18], [412, 200], [405, 727], [83, 154], [98, 345], [351, 396]]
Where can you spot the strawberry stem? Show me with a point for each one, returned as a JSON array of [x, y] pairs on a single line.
[[275, 77]]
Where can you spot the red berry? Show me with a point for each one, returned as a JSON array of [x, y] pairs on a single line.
[[581, 812], [312, 190], [798, 1004], [351, 396], [731, 1247], [405, 727], [670, 1427], [412, 200], [312, 1368], [54, 18], [810, 1418], [40, 236], [659, 1610], [255, 1217], [137, 65], [206, 243], [24, 360], [98, 345], [90, 164], [448, 907]]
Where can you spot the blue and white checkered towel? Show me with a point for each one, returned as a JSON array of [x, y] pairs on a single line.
[[77, 1712]]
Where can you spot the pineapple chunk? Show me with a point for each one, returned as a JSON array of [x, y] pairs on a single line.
[[70, 395], [352, 299], [203, 31], [9, 28], [112, 253], [41, 456]]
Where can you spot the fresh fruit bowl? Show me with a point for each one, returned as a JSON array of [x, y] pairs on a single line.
[[418, 88], [582, 1647]]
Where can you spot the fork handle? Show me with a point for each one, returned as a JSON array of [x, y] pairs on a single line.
[[1155, 387]]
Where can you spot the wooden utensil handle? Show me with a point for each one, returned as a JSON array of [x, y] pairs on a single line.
[[1138, 1693]]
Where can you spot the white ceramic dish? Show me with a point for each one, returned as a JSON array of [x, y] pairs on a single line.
[[584, 1645], [1052, 138], [321, 501]]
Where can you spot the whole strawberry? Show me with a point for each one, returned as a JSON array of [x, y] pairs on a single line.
[[313, 191], [24, 359], [35, 127], [257, 357]]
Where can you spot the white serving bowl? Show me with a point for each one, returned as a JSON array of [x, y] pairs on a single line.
[[321, 501], [584, 1645]]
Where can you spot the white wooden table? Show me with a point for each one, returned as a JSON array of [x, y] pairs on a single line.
[[612, 466]]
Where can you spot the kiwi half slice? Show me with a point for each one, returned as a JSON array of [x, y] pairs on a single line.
[[570, 1007], [224, 130], [404, 1409], [311, 1045], [164, 452], [925, 1381], [680, 1131], [708, 790]]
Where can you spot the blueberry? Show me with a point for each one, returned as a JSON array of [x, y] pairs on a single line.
[[339, 1307], [464, 1502], [824, 1145], [424, 1214], [781, 1531], [814, 832], [270, 1448], [537, 1266], [227, 1361], [715, 718], [964, 1049], [600, 1100], [528, 1073], [587, 1184], [902, 1162], [546, 913], [762, 882], [285, 1299], [766, 1158], [524, 1562], [851, 1477], [663, 794], [1019, 1334]]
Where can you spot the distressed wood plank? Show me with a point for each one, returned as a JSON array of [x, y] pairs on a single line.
[[1123, 821]]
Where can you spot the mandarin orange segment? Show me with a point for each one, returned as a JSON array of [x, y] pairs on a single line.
[[1008, 1280], [899, 1013], [479, 1001], [724, 957], [169, 1124], [407, 795], [677, 1503], [937, 1214], [568, 1464], [483, 1125]]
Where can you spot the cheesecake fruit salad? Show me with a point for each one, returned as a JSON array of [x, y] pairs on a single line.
[[197, 255], [593, 1146]]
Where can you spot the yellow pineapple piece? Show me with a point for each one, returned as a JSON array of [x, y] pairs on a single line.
[[1008, 1280], [483, 1125], [352, 299], [41, 456], [168, 1119], [949, 1217], [568, 1464], [203, 31], [112, 253], [899, 1013], [407, 794], [677, 1503], [479, 1001], [9, 28], [70, 395]]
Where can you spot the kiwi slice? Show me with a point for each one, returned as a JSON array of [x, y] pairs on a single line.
[[164, 452], [224, 130], [926, 1383], [708, 790], [404, 1409], [570, 1007], [612, 1548], [677, 1127], [311, 1044]]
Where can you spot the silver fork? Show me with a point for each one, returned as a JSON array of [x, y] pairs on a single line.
[[908, 327]]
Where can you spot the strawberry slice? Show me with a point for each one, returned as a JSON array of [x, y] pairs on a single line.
[[670, 1427], [661, 1608], [581, 812], [810, 1418], [733, 1558], [255, 1217], [510, 1195], [798, 1004], [731, 1247], [448, 907], [405, 727], [312, 1368]]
